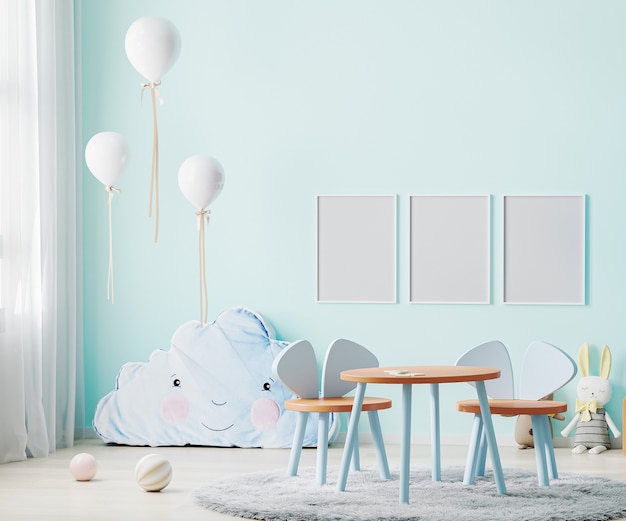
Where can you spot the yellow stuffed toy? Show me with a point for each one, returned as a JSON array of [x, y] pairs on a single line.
[[592, 421]]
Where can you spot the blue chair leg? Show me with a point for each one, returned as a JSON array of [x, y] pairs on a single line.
[[322, 448], [539, 436], [473, 451], [379, 445], [552, 471], [296, 446]]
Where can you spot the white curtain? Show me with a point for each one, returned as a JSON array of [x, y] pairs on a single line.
[[40, 321]]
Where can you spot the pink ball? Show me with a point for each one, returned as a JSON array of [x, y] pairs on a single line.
[[83, 467]]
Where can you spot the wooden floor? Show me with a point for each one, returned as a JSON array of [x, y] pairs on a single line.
[[43, 489]]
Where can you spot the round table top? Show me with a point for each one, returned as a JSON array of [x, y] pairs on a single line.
[[420, 374]]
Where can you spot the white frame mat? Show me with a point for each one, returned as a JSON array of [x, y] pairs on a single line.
[[450, 249], [544, 249], [356, 248]]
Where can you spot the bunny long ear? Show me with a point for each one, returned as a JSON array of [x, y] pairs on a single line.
[[583, 359], [605, 363]]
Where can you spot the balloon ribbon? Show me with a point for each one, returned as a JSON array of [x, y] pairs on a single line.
[[110, 282], [204, 294], [154, 174]]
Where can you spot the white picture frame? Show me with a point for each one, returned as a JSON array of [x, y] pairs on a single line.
[[356, 248], [450, 249], [544, 249]]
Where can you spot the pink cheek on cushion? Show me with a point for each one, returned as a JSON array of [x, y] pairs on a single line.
[[174, 408], [265, 413]]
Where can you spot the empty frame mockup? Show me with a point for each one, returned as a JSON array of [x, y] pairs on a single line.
[[356, 248], [544, 249], [450, 249]]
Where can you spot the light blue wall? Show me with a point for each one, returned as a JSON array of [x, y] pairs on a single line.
[[300, 98]]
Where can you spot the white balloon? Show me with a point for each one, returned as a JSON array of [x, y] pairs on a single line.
[[201, 179], [106, 156], [152, 46]]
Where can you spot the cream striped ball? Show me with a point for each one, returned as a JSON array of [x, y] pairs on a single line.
[[153, 472]]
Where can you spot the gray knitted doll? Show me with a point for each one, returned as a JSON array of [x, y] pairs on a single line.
[[592, 420]]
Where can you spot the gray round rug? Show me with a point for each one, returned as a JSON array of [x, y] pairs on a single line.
[[273, 496]]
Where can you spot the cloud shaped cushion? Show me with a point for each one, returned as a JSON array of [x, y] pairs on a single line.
[[214, 387]]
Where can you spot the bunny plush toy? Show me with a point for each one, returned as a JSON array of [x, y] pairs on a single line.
[[592, 421]]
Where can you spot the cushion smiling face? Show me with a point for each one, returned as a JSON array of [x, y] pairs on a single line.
[[213, 387]]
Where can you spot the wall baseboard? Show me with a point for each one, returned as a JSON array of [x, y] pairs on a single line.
[[394, 439], [503, 441]]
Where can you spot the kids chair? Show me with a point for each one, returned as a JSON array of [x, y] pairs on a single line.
[[545, 369], [296, 368]]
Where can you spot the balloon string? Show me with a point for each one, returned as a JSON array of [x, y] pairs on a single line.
[[204, 294], [154, 173], [110, 281], [154, 178]]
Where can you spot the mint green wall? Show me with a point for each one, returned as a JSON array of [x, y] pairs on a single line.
[[300, 98]]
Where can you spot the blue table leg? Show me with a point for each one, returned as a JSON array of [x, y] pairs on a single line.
[[435, 432], [405, 450], [491, 437], [482, 456], [351, 436], [355, 462]]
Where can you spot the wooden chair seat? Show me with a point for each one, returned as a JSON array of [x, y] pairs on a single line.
[[339, 404], [514, 407]]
